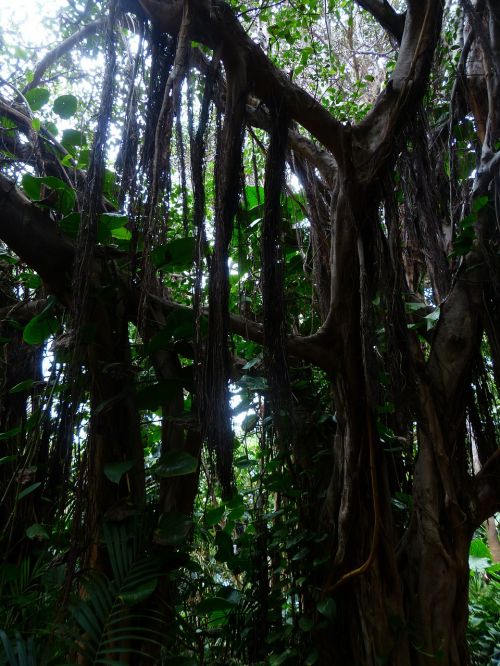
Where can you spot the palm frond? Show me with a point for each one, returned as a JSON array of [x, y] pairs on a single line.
[[106, 615], [18, 653]]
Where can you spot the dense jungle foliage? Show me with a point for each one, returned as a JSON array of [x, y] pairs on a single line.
[[250, 332]]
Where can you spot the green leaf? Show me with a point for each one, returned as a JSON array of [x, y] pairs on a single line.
[[249, 422], [277, 660], [37, 531], [224, 545], [433, 318], [10, 433], [113, 220], [140, 593], [70, 224], [40, 328], [312, 658], [115, 471], [8, 257], [72, 138], [109, 187], [30, 280], [244, 463], [114, 224], [479, 549], [31, 186], [214, 604], [173, 529], [121, 234], [327, 608], [479, 203], [179, 325], [52, 128], [36, 124], [178, 255], [306, 623], [254, 196], [176, 463], [29, 490], [154, 396], [65, 200], [37, 97], [253, 383], [303, 552], [214, 515], [26, 385], [65, 106]]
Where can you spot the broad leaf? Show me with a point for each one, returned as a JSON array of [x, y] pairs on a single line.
[[218, 603], [64, 200], [37, 97], [173, 529], [115, 471], [178, 255], [40, 328], [214, 515], [72, 138], [65, 106], [179, 325], [154, 396], [328, 608], [176, 463], [37, 531]]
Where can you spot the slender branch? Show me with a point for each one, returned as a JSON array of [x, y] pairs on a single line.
[[61, 49]]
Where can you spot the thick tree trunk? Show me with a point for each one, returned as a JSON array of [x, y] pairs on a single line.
[[115, 435]]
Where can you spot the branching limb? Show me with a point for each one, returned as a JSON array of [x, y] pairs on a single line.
[[61, 49], [376, 133], [386, 15]]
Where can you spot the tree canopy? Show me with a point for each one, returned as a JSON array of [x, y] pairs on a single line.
[[250, 322]]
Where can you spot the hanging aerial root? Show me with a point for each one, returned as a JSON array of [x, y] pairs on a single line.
[[273, 269], [92, 199], [215, 407], [155, 220], [332, 586]]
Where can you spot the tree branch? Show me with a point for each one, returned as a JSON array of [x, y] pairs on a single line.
[[35, 238], [217, 26], [375, 135], [485, 496], [50, 58], [386, 15], [257, 116], [313, 349]]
